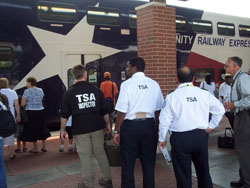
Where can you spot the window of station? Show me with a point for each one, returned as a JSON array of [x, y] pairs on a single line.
[[202, 26], [226, 29], [132, 17], [70, 78], [6, 60], [103, 16], [244, 30], [181, 24], [201, 73], [56, 12]]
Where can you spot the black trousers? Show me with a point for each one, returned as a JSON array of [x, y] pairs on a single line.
[[187, 147], [230, 117], [242, 143], [138, 139]]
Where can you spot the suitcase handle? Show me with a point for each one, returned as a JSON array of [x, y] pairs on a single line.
[[230, 129]]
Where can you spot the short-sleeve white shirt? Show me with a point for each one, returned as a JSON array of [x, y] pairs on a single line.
[[188, 108], [12, 96], [210, 88], [225, 92], [139, 94]]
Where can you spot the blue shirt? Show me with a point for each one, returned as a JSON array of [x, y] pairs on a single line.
[[34, 97], [241, 91]]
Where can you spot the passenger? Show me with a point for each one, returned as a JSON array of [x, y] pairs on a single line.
[[241, 105], [208, 84], [89, 118], [225, 95], [13, 102], [20, 126], [4, 105], [110, 92], [36, 128], [186, 116], [138, 107], [70, 135]]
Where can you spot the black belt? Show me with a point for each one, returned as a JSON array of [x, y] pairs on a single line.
[[139, 119]]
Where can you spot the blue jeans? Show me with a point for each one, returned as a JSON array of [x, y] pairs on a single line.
[[3, 183]]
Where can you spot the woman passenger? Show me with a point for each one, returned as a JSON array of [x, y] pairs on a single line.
[[13, 102], [36, 128]]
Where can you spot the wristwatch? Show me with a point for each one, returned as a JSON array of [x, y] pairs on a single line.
[[116, 132], [62, 129]]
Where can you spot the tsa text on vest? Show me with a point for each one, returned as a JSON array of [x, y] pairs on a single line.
[[191, 99], [86, 100]]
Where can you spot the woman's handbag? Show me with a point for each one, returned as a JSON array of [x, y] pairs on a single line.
[[226, 141], [113, 154], [7, 122]]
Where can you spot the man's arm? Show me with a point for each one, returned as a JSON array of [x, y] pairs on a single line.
[[63, 127], [106, 119], [118, 122]]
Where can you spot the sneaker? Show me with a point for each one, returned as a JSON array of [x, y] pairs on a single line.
[[82, 185], [106, 183], [61, 149], [70, 149]]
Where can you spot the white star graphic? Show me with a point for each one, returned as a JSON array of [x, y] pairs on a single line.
[[55, 46]]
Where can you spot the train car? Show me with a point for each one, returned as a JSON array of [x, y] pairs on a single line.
[[45, 39]]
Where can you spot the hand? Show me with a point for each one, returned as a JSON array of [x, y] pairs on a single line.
[[63, 135], [229, 105], [107, 129], [161, 145], [18, 119], [208, 130], [117, 139]]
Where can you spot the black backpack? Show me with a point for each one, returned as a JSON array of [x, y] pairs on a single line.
[[7, 122]]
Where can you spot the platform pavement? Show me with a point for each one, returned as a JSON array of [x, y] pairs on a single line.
[[55, 169]]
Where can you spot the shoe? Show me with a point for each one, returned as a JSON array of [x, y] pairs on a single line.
[[70, 149], [61, 149], [82, 185], [245, 186], [238, 183], [24, 150], [43, 150], [13, 157], [106, 183], [17, 150]]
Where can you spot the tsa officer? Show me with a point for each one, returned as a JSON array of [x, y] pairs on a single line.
[[138, 107], [186, 115]]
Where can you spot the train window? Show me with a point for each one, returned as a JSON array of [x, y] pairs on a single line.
[[202, 26], [226, 29], [201, 73], [103, 16], [56, 12], [6, 60], [132, 17], [181, 24], [244, 31]]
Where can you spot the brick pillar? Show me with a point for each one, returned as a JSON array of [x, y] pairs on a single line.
[[156, 41]]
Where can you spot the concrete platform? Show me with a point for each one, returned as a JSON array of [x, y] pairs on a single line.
[[56, 169]]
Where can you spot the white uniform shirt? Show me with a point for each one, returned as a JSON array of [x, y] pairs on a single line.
[[187, 108], [209, 88], [12, 96], [225, 92], [139, 94]]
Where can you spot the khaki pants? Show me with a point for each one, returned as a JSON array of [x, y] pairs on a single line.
[[88, 146]]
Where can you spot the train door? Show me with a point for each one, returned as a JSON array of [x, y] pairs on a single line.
[[72, 59]]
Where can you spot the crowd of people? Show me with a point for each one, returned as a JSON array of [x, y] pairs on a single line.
[[143, 119]]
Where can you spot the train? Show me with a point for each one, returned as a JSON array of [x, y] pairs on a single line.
[[45, 39]]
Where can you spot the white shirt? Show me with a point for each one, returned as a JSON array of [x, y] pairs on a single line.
[[187, 108], [209, 88], [139, 94], [12, 96], [225, 92]]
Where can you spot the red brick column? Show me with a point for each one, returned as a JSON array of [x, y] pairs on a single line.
[[156, 41]]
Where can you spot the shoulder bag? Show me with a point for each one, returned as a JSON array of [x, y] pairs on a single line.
[[7, 122]]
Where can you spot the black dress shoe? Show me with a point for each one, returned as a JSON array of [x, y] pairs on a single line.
[[245, 186], [238, 183]]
